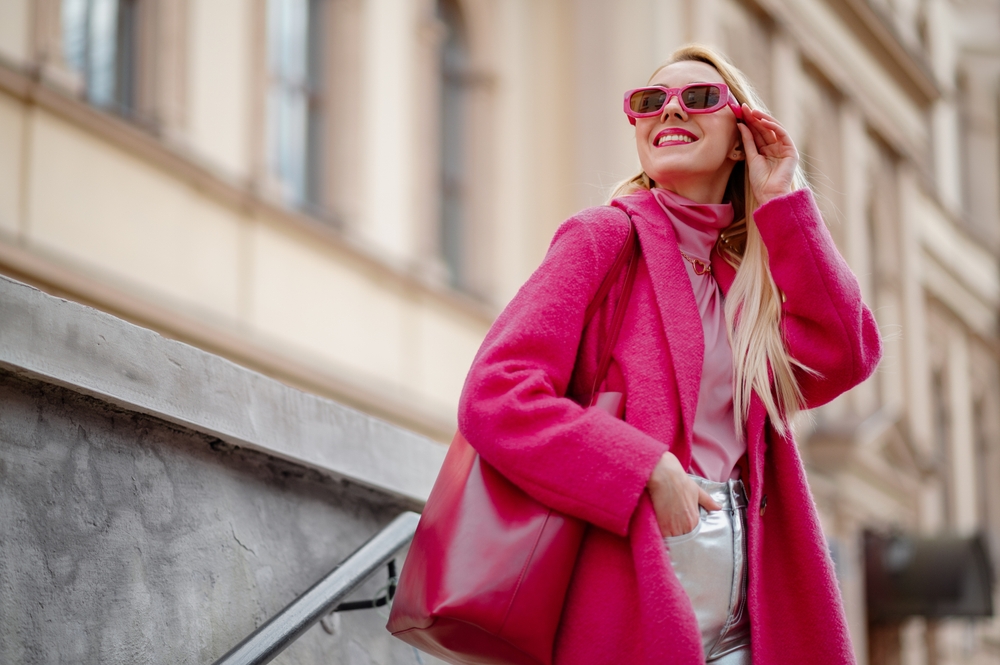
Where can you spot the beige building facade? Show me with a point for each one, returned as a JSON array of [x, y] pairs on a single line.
[[343, 194]]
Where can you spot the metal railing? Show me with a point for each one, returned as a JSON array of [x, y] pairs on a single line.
[[324, 597]]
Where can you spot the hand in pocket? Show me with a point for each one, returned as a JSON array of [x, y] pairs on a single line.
[[676, 497]]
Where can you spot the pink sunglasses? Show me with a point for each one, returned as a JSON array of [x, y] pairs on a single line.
[[694, 98]]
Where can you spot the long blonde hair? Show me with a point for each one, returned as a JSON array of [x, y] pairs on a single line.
[[753, 304]]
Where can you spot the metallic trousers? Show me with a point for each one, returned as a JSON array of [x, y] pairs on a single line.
[[711, 564]]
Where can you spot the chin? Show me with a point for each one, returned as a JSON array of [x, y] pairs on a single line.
[[674, 172]]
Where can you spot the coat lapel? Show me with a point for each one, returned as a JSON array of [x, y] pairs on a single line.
[[674, 299]]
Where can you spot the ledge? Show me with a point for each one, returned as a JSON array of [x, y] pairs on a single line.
[[57, 278], [64, 343]]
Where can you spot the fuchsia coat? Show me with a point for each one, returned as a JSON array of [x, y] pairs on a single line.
[[625, 605]]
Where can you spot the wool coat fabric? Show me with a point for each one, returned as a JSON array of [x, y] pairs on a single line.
[[520, 410]]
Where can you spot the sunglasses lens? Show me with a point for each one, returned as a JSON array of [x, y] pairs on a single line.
[[647, 101], [702, 96]]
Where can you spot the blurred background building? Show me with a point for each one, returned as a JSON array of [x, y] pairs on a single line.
[[342, 194]]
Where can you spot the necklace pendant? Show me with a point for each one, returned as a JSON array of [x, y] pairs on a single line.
[[700, 267]]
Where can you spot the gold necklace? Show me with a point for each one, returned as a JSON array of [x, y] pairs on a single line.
[[700, 267]]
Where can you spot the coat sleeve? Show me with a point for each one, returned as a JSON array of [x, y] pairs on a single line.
[[513, 409], [826, 325]]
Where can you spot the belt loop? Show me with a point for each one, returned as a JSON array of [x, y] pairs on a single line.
[[737, 494]]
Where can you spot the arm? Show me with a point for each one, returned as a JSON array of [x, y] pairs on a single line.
[[582, 462], [826, 325]]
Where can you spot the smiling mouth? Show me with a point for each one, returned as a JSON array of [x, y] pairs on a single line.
[[673, 138]]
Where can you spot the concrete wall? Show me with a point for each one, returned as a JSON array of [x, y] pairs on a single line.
[[133, 534]]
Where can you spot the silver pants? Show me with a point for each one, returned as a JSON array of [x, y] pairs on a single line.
[[711, 564]]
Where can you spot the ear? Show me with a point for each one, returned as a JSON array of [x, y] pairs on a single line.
[[737, 154]]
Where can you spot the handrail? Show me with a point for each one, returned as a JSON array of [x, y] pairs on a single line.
[[287, 625]]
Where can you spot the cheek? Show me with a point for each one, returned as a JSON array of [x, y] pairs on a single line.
[[717, 142], [642, 146], [642, 136], [724, 134]]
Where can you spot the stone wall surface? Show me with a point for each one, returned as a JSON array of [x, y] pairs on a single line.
[[131, 534], [126, 540]]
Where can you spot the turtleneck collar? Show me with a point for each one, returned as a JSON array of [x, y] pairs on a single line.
[[697, 225]]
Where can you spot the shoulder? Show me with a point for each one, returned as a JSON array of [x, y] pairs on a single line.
[[585, 245], [597, 227], [604, 226], [640, 203]]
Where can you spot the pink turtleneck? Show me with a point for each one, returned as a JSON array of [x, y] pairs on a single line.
[[716, 448]]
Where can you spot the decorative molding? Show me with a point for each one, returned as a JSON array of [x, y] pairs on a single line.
[[55, 278]]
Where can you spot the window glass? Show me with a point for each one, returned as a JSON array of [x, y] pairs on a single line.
[[294, 99], [454, 64], [99, 42]]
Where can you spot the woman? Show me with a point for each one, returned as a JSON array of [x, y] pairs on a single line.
[[722, 343]]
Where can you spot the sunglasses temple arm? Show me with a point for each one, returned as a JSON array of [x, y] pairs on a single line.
[[736, 107]]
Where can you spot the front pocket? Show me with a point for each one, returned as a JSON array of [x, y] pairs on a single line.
[[684, 537]]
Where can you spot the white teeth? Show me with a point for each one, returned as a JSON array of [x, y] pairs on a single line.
[[674, 137]]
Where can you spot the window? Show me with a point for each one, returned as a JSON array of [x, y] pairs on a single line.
[[100, 42], [454, 64], [295, 99], [942, 440]]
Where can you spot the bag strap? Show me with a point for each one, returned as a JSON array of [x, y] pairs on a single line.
[[629, 254], [624, 256]]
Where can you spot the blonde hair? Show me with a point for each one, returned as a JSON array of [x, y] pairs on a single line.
[[753, 304]]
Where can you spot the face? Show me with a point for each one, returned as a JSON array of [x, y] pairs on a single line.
[[690, 154]]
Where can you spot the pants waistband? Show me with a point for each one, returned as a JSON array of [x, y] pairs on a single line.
[[729, 494]]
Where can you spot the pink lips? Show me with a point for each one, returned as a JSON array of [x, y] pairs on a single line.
[[674, 131]]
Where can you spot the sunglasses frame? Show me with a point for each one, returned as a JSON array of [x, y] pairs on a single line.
[[725, 99]]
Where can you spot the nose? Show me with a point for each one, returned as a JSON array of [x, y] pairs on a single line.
[[672, 107]]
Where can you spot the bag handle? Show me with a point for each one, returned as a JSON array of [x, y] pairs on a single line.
[[629, 254]]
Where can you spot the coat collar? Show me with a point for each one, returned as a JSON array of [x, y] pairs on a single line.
[[674, 298]]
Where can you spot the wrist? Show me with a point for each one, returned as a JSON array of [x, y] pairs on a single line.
[[665, 469], [763, 199]]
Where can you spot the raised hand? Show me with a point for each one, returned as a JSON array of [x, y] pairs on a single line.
[[770, 155]]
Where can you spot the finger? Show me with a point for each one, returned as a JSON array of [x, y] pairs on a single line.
[[755, 118], [758, 132], [772, 126], [763, 115], [749, 144], [780, 133], [770, 138], [706, 500], [761, 122], [693, 523]]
